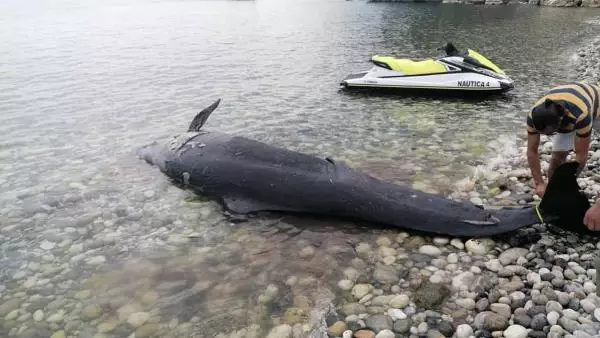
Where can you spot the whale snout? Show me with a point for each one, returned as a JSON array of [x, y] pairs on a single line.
[[147, 152]]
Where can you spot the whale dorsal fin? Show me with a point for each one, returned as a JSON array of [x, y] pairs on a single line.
[[200, 118]]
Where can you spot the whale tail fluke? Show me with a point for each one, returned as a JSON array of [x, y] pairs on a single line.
[[200, 118], [564, 201]]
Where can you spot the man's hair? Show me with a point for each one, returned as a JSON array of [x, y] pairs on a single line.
[[547, 114]]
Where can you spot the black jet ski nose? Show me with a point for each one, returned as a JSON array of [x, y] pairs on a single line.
[[506, 86]]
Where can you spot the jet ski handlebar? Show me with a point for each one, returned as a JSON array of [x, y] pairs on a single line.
[[451, 50]]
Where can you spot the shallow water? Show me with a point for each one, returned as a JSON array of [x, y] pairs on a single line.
[[90, 234]]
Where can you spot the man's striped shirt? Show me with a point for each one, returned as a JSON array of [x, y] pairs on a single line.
[[582, 101]]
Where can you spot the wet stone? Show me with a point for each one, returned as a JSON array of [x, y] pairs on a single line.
[[137, 319], [574, 304], [518, 303], [385, 274], [495, 322], [523, 320], [36, 332], [149, 330], [431, 296], [464, 331], [38, 315], [362, 334], [537, 334], [433, 334], [550, 294], [510, 256], [536, 309], [512, 286], [553, 306], [400, 301], [8, 306], [337, 329], [588, 306], [402, 325], [379, 322], [353, 309], [592, 328], [107, 326], [59, 334], [571, 314], [547, 277], [501, 309], [483, 334], [558, 282], [538, 322], [354, 326], [446, 328], [568, 324], [482, 304], [39, 303], [552, 318]]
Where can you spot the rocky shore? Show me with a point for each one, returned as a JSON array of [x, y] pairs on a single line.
[[588, 67], [536, 282]]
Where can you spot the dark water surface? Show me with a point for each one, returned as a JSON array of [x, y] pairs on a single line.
[[90, 235]]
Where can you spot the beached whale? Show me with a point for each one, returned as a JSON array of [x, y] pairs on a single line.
[[247, 176]]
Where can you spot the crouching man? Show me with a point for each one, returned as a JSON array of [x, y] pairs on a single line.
[[568, 113]]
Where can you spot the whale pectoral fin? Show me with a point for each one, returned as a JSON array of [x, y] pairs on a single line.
[[491, 221], [244, 206]]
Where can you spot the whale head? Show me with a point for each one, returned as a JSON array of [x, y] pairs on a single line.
[[157, 153]]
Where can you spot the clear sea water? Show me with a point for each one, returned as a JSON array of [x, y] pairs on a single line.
[[90, 234]]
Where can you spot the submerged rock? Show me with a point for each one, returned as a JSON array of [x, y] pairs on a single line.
[[431, 296]]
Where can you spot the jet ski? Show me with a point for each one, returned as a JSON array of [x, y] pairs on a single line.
[[456, 72]]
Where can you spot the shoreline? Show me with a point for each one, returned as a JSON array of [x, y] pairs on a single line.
[[536, 282], [508, 169]]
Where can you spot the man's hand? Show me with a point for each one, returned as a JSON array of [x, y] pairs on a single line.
[[592, 218], [540, 189], [533, 160]]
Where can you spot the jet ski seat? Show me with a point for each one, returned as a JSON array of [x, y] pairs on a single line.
[[408, 66]]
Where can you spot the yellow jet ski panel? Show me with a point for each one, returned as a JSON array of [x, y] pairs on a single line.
[[410, 67], [484, 61]]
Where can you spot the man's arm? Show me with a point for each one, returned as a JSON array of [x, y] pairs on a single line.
[[533, 158], [583, 136], [582, 146]]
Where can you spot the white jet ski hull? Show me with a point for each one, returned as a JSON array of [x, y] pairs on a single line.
[[466, 72], [458, 81]]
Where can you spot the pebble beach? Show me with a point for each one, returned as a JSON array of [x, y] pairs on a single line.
[[537, 282]]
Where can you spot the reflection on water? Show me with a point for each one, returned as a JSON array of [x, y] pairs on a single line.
[[94, 241]]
